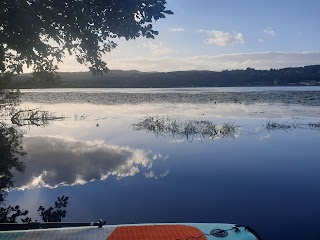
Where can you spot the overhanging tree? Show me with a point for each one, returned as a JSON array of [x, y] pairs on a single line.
[[38, 33]]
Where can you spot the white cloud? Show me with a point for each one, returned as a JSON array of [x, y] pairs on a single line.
[[270, 32], [222, 39], [260, 40], [157, 49], [176, 29], [258, 60]]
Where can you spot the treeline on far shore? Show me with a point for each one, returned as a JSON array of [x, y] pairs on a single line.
[[301, 76]]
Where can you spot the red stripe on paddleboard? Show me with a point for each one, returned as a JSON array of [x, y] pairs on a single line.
[[156, 232]]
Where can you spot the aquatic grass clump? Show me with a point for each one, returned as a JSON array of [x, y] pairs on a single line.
[[314, 125], [190, 129], [209, 129], [34, 117], [272, 125], [153, 124], [81, 117], [228, 130]]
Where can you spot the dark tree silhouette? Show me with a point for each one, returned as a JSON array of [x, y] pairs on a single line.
[[308, 75], [39, 32], [55, 213], [12, 214]]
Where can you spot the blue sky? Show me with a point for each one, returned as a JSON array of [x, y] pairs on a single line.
[[224, 34]]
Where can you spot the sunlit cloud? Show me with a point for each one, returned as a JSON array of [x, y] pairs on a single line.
[[223, 39], [157, 49], [56, 161], [153, 175], [270, 32], [176, 29]]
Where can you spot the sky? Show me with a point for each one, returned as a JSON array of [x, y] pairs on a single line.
[[223, 34]]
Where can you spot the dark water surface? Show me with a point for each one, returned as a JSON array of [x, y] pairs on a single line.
[[308, 96], [266, 178]]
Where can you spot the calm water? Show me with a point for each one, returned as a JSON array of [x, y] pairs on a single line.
[[268, 179]]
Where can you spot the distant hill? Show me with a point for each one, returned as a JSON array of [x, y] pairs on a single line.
[[309, 75]]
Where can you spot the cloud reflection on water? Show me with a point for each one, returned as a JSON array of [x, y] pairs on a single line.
[[56, 161]]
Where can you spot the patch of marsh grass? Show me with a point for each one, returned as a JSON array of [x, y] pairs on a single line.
[[314, 125], [190, 129], [272, 125]]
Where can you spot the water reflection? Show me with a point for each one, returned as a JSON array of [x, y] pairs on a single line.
[[258, 179], [10, 150], [57, 161]]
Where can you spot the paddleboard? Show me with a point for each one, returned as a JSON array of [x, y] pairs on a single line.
[[176, 231]]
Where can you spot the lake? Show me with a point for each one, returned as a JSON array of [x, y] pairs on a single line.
[[229, 155]]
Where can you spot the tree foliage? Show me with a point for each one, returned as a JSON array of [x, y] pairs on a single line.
[[55, 213], [38, 33], [12, 214]]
